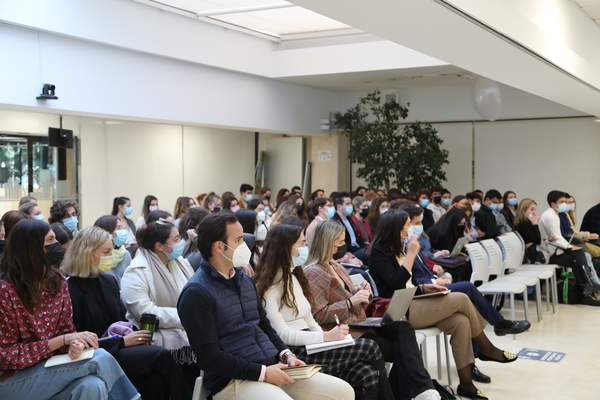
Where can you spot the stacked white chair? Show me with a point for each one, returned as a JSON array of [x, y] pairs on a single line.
[[481, 274], [497, 270], [513, 260]]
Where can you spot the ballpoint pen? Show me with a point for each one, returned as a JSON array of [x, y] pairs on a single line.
[[337, 320]]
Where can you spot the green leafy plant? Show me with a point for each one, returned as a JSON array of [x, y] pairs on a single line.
[[388, 152]]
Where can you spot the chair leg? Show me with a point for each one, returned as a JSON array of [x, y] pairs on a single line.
[[538, 300], [439, 356], [447, 345], [512, 309], [548, 290], [424, 351], [554, 294]]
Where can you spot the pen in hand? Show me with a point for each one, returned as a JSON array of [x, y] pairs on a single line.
[[337, 320]]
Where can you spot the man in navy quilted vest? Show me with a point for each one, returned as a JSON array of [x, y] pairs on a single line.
[[240, 353]]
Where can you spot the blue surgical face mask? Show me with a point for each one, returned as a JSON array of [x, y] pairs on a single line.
[[177, 250], [330, 212], [301, 257], [500, 206], [128, 210], [71, 223], [266, 209], [493, 206], [369, 203], [446, 202], [121, 237], [40, 217], [424, 203], [416, 230], [348, 210], [383, 211], [248, 197], [564, 207], [513, 202]]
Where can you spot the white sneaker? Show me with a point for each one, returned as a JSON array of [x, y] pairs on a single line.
[[429, 394]]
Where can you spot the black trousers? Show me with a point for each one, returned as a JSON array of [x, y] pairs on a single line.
[[576, 260], [398, 345], [154, 373]]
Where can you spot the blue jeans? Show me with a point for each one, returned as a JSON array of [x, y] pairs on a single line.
[[99, 378]]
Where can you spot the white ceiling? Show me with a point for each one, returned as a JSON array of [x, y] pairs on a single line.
[[591, 8]]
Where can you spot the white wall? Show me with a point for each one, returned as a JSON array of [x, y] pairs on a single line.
[[104, 81]]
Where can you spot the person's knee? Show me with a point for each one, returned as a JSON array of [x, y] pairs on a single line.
[[89, 387], [344, 390]]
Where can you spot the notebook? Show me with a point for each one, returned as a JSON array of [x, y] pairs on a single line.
[[302, 372], [335, 344], [396, 311], [65, 359]]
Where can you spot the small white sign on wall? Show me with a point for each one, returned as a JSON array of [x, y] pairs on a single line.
[[324, 155]]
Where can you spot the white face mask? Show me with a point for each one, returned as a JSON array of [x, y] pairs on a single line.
[[476, 207], [261, 215], [241, 255], [261, 232], [383, 211]]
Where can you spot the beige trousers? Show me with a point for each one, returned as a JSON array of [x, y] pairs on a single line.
[[319, 387], [454, 314]]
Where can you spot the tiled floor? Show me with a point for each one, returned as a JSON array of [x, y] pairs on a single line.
[[574, 330]]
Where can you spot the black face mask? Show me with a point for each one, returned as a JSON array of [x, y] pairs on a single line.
[[2, 246], [364, 212], [216, 209], [300, 207], [268, 198], [341, 252], [55, 253], [437, 199]]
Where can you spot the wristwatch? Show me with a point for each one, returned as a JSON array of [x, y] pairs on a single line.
[[285, 356]]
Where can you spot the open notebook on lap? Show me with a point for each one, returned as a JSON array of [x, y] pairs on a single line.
[[396, 311]]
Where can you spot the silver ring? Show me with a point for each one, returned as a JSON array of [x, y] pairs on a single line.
[[87, 338]]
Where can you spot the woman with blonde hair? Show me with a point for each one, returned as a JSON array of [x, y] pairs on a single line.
[[283, 210], [97, 307], [526, 224], [334, 295]]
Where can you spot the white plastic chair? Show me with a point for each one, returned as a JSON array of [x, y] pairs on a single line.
[[536, 267], [513, 257], [497, 269], [200, 392], [422, 334], [481, 274]]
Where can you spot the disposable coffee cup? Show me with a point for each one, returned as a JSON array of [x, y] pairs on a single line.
[[149, 323]]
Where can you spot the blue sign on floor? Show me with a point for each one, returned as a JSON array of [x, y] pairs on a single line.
[[540, 355]]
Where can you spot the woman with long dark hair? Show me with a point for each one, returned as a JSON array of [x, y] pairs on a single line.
[[37, 323], [286, 296], [391, 257], [121, 257], [334, 294], [122, 208], [446, 231], [97, 306], [150, 204]]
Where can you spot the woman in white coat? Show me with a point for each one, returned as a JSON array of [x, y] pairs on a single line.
[[152, 283]]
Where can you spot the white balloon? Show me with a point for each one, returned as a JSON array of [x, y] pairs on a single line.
[[486, 98]]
